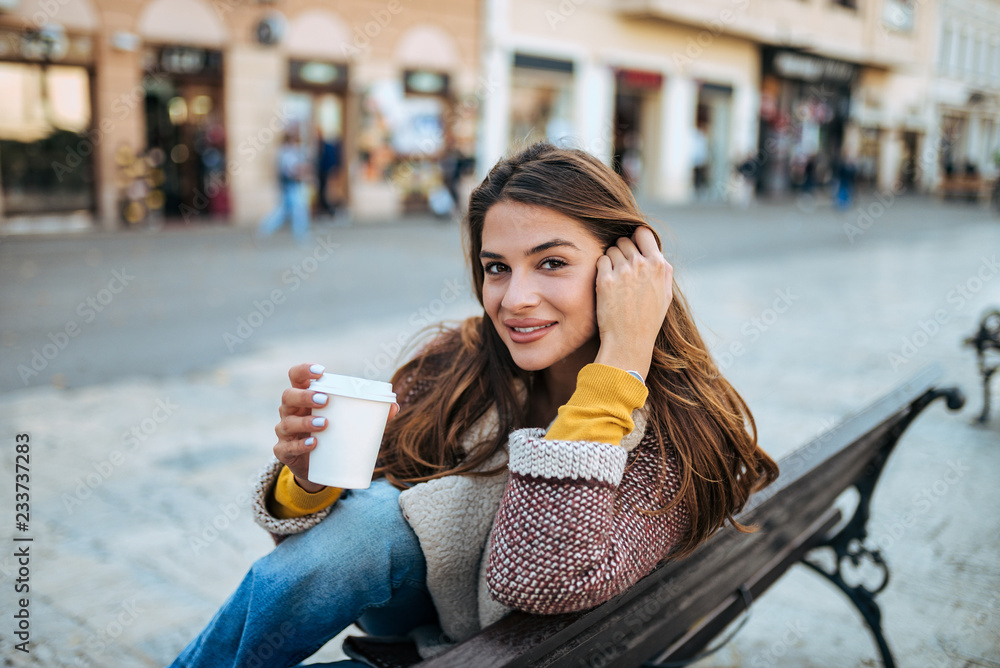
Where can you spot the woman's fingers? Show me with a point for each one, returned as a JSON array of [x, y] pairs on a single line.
[[287, 451], [645, 242], [301, 402], [616, 256], [301, 374], [293, 427], [628, 248]]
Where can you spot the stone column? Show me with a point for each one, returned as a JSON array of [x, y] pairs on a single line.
[[676, 177], [119, 119], [746, 106], [494, 89], [594, 101], [255, 122], [929, 157], [494, 94], [889, 152]]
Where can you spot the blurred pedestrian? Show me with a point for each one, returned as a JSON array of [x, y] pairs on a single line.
[[293, 172], [327, 167], [846, 175]]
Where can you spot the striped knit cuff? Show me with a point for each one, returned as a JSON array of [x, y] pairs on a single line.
[[531, 455], [263, 517]]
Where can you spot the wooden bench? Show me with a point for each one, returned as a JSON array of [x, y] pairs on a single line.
[[963, 186], [669, 617]]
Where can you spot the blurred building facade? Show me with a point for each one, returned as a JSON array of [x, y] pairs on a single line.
[[678, 94], [175, 108]]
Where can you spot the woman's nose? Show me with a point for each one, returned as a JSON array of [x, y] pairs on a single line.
[[521, 293]]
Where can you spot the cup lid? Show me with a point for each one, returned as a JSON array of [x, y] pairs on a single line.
[[350, 386]]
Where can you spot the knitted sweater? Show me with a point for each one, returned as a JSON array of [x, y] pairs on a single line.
[[563, 531]]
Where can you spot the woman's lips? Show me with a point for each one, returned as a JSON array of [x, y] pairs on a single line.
[[527, 337]]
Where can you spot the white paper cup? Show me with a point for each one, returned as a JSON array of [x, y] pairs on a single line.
[[356, 413]]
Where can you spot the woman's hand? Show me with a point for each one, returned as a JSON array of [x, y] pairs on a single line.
[[297, 426], [634, 290]]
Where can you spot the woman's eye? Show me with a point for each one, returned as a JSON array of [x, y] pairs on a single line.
[[553, 264], [494, 268]]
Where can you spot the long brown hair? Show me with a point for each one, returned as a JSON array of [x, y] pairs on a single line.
[[466, 370]]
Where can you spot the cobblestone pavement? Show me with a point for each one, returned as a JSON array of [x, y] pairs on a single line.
[[139, 511]]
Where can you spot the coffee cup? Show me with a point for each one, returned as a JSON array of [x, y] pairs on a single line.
[[356, 412]]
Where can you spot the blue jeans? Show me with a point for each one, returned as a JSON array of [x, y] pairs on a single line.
[[362, 564], [295, 204]]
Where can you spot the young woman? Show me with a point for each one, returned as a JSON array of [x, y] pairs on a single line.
[[544, 456]]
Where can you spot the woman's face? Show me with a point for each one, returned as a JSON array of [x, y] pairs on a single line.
[[539, 285]]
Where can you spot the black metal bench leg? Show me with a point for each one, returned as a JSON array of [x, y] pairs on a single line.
[[864, 601], [848, 543], [987, 375]]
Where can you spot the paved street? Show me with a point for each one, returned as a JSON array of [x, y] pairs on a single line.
[[149, 414]]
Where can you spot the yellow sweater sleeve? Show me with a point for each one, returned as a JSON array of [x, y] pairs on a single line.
[[601, 407], [290, 500]]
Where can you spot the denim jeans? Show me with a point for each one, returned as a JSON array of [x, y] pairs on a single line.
[[295, 204], [362, 564]]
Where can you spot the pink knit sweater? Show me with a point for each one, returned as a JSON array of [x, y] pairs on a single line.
[[571, 532]]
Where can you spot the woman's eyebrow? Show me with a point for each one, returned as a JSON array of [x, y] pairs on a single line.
[[537, 249], [551, 244]]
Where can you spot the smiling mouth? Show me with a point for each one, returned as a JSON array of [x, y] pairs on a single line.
[[525, 330]]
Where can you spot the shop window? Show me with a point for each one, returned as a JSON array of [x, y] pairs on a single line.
[[541, 100], [410, 129], [315, 107], [46, 156], [185, 124]]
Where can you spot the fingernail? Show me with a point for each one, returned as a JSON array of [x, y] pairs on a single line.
[[316, 368], [319, 422], [319, 398], [310, 440]]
